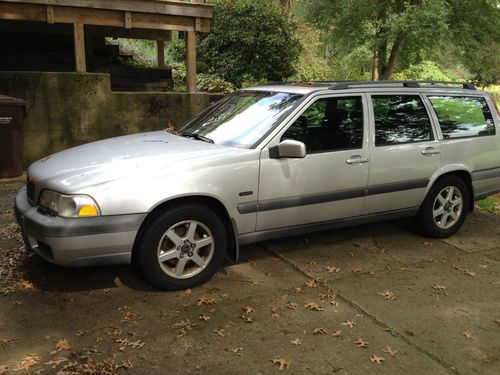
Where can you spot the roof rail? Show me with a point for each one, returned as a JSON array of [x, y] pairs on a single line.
[[342, 85]]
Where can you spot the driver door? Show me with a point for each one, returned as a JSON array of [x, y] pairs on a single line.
[[330, 181]]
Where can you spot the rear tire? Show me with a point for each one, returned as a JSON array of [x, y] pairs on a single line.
[[182, 247], [445, 208]]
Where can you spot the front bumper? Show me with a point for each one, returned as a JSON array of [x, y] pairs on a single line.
[[79, 241]]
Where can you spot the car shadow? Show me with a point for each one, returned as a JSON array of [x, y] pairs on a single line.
[[52, 278]]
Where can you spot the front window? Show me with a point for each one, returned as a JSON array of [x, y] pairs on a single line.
[[243, 118]]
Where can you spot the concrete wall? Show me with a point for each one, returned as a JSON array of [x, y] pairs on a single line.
[[68, 109]]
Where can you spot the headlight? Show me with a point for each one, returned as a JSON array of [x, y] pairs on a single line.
[[69, 205]]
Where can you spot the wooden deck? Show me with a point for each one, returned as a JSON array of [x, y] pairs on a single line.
[[141, 19]]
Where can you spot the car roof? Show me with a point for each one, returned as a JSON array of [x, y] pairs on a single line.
[[304, 88]]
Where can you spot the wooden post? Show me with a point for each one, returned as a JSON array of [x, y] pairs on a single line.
[[160, 53], [191, 61], [79, 38]]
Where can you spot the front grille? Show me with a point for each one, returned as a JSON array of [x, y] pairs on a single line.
[[30, 189]]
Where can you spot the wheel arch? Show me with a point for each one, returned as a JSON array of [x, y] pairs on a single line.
[[212, 203], [462, 173]]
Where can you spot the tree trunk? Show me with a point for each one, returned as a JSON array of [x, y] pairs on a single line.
[[375, 64], [395, 52]]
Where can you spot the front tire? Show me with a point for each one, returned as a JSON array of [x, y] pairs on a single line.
[[182, 247], [445, 208]]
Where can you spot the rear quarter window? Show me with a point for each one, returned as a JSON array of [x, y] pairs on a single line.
[[463, 116]]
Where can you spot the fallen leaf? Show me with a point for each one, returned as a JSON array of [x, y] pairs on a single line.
[[469, 336], [312, 306], [56, 362], [356, 270], [388, 295], [275, 312], [292, 305], [319, 331], [337, 333], [283, 364], [390, 351], [438, 287], [25, 284], [221, 332], [349, 323], [27, 362], [296, 341], [206, 301], [237, 350], [204, 317], [7, 342], [332, 269], [63, 345], [225, 295], [298, 290], [188, 292], [375, 359], [311, 283], [248, 309], [247, 319], [361, 343], [80, 333], [3, 369]]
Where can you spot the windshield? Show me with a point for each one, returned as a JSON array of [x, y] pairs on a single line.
[[242, 118]]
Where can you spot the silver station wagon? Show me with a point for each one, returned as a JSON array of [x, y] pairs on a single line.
[[264, 163]]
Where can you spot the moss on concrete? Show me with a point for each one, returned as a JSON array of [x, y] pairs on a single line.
[[68, 109]]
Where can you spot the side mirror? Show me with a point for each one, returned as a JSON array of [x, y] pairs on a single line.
[[288, 148]]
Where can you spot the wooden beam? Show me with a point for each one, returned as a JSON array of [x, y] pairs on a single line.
[[191, 61], [128, 20], [147, 6], [50, 14], [160, 53], [79, 40], [101, 17]]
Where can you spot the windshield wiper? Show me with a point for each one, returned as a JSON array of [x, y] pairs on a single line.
[[197, 137]]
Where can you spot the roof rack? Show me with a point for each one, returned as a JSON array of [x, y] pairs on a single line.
[[342, 85]]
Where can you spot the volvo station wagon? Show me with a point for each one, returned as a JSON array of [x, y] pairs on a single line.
[[265, 163]]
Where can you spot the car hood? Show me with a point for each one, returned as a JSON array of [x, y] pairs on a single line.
[[143, 154]]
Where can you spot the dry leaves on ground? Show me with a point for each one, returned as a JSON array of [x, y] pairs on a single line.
[[391, 352], [464, 271], [203, 317], [275, 312], [468, 335], [221, 332], [349, 323], [337, 333], [248, 309], [7, 342], [312, 306], [206, 301], [361, 343], [27, 362], [283, 363], [63, 345], [296, 341], [311, 283], [438, 287], [292, 305], [388, 295], [319, 331], [332, 269], [3, 369], [376, 359]]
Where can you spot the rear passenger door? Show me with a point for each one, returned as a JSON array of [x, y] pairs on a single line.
[[404, 152]]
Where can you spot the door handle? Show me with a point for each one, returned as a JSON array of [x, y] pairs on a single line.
[[430, 151], [357, 159]]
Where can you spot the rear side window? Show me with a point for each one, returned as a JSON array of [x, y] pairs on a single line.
[[463, 116], [400, 119]]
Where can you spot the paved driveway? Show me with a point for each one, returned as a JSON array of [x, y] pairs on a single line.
[[370, 299]]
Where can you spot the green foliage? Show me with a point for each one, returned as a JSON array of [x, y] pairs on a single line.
[[249, 40], [426, 70], [204, 82], [407, 34]]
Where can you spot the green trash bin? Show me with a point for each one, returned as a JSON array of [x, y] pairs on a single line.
[[12, 113]]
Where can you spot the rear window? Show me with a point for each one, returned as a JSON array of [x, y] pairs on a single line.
[[400, 119], [463, 116]]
